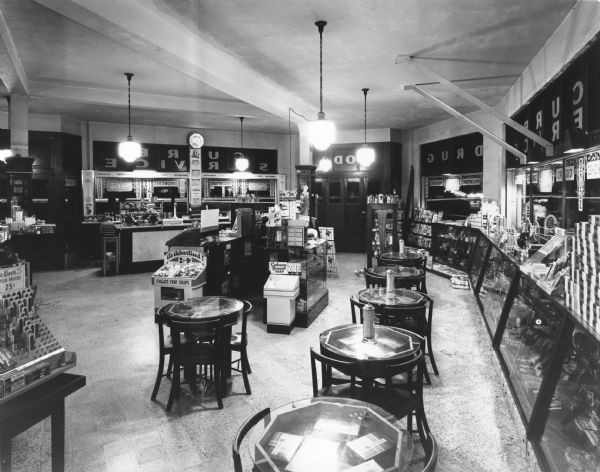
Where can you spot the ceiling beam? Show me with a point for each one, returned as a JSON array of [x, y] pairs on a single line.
[[77, 93], [547, 145], [134, 24], [459, 115], [12, 73]]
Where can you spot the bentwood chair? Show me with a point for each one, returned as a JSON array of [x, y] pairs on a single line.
[[165, 348], [241, 434], [332, 386], [417, 319], [356, 304], [403, 399], [239, 342], [191, 355]]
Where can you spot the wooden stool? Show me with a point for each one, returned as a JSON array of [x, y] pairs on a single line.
[[111, 247]]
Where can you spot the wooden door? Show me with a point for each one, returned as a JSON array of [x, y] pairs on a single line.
[[354, 207]]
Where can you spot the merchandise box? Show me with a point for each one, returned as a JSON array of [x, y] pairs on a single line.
[[180, 278]]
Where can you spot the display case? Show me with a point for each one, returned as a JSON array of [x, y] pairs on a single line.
[[421, 229], [481, 251], [223, 187], [452, 245], [569, 438], [530, 336], [499, 273], [314, 295], [382, 229]]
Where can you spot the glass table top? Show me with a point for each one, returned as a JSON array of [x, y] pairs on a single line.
[[402, 256], [329, 434], [398, 270], [389, 344], [397, 297], [203, 308]]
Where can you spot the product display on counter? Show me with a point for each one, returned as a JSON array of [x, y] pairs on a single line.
[[181, 277]]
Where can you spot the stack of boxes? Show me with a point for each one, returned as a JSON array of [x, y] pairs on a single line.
[[582, 288]]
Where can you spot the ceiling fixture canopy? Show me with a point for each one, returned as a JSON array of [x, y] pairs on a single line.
[[365, 154], [129, 150], [241, 161], [321, 131]]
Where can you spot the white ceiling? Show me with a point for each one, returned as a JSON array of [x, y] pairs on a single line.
[[202, 63]]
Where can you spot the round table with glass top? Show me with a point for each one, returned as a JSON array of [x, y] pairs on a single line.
[[406, 258], [396, 298], [329, 434], [204, 308], [207, 308]]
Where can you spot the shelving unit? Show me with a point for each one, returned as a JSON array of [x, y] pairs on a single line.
[[382, 229]]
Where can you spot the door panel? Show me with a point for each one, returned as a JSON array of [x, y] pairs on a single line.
[[354, 204]]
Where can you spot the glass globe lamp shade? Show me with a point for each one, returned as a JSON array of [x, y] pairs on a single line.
[[365, 156], [452, 184], [4, 153], [130, 150], [242, 164], [325, 164], [321, 132]]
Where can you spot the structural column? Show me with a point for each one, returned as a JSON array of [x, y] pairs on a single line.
[[304, 151], [18, 111]]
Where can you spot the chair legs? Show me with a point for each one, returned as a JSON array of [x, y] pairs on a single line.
[[430, 354], [245, 363], [159, 375]]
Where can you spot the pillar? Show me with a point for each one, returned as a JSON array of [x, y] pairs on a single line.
[[18, 110], [304, 150]]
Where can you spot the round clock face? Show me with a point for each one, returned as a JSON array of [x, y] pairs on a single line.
[[196, 140]]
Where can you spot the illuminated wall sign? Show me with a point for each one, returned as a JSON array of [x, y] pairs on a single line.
[[343, 156], [566, 103], [155, 157], [457, 155], [222, 160]]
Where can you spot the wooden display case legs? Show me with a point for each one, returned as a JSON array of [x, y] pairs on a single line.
[[24, 411]]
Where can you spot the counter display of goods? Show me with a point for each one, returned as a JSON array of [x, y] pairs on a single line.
[[382, 229], [29, 353], [452, 245], [530, 336], [570, 437], [495, 285], [181, 277], [479, 259]]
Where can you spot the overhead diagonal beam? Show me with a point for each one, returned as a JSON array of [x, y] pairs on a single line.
[[459, 115], [14, 78], [484, 106]]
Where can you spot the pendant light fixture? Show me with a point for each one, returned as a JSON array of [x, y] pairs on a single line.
[[321, 131], [365, 154], [129, 150], [241, 161], [325, 164]]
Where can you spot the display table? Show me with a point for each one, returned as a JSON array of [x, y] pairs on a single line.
[[207, 308], [390, 346], [407, 259], [24, 411], [398, 297], [329, 434]]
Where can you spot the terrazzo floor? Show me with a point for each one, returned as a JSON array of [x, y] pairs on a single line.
[[112, 426]]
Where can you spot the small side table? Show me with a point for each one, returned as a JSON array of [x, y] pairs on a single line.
[[22, 412]]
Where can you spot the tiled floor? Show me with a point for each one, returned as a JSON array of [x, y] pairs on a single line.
[[113, 426]]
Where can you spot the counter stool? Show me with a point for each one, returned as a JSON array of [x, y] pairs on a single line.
[[111, 247]]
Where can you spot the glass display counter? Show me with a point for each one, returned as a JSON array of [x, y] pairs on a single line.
[[499, 272], [481, 251], [314, 295], [530, 336]]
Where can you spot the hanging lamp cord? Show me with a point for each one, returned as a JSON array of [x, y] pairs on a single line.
[[365, 90], [129, 75], [242, 132], [320, 26]]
